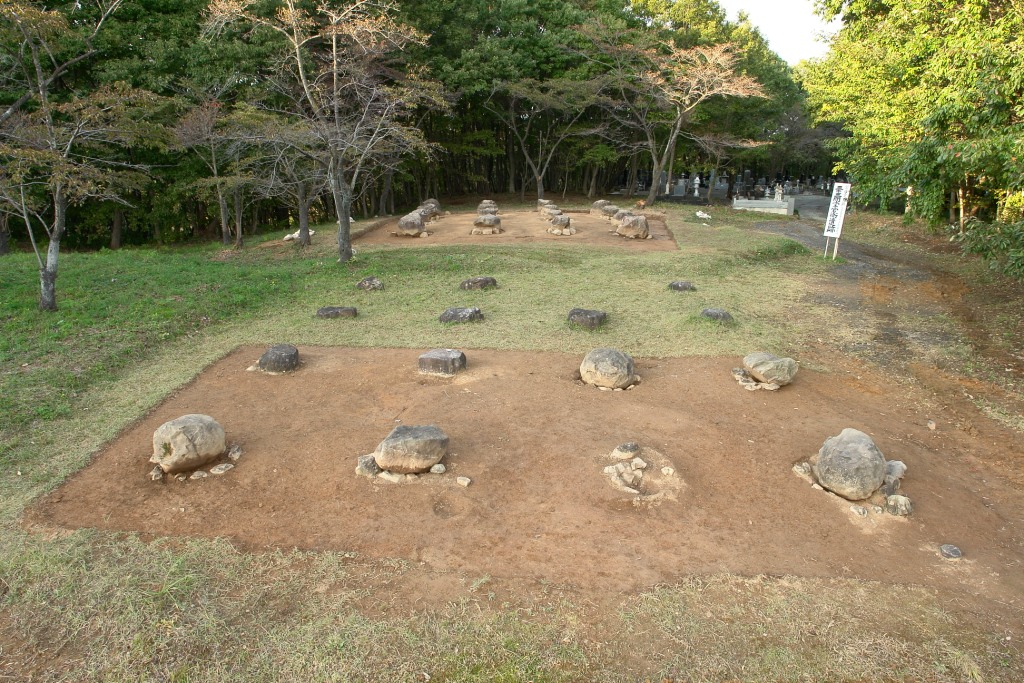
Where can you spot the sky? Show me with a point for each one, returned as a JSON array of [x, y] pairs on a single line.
[[790, 26]]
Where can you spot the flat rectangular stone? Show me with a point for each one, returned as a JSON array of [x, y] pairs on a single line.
[[442, 362]]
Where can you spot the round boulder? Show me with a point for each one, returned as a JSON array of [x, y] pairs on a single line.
[[279, 358], [764, 367], [187, 442], [411, 449], [608, 368], [849, 465]]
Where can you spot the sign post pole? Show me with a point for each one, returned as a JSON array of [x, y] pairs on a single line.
[[836, 215]]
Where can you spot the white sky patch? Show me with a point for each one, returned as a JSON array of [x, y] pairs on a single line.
[[791, 27]]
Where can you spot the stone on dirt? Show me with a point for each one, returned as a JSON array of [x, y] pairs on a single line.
[[898, 505], [461, 315], [481, 282], [279, 358], [411, 224], [633, 227], [849, 465], [367, 466], [487, 221], [336, 312], [446, 362], [157, 474], [410, 449], [370, 284], [626, 451], [439, 468], [463, 481], [770, 369], [586, 318], [607, 369], [609, 210], [222, 468], [950, 551], [187, 442]]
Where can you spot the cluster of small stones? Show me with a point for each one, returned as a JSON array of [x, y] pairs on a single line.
[[627, 474], [487, 222], [765, 371], [851, 466], [561, 224], [412, 224], [408, 453], [631, 226]]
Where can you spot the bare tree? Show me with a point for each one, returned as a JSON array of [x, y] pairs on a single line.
[[201, 130], [338, 66], [543, 115], [654, 90], [57, 148]]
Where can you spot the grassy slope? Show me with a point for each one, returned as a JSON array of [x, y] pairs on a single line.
[[135, 324]]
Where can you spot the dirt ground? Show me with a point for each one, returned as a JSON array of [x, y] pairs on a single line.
[[524, 227], [540, 511]]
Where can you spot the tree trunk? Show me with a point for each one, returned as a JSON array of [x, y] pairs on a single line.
[[225, 222], [385, 194], [962, 195], [592, 190], [236, 197], [117, 225], [5, 235], [48, 273], [342, 193], [304, 204], [539, 177], [631, 178], [652, 193]]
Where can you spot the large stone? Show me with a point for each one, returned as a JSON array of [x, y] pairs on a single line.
[[279, 358], [589, 319], [849, 465], [336, 312], [429, 209], [482, 282], [445, 362], [550, 212], [633, 227], [487, 221], [764, 367], [487, 204], [609, 210], [719, 314], [541, 203], [370, 284], [561, 221], [409, 449], [411, 224], [609, 368], [682, 286], [622, 213], [461, 315], [487, 210], [187, 442]]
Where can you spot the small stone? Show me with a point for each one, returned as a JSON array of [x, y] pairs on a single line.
[[393, 477], [950, 551], [370, 284], [817, 487], [445, 362], [438, 469], [682, 286], [367, 466], [234, 452], [605, 388], [899, 506], [877, 509], [931, 425], [719, 314], [199, 474], [336, 312], [890, 487], [626, 451], [181, 477], [667, 471], [610, 470], [803, 469], [620, 467], [157, 473], [221, 468], [859, 510], [481, 282], [461, 315], [895, 469], [587, 319], [424, 234], [279, 358], [638, 464], [412, 477], [463, 481], [629, 476]]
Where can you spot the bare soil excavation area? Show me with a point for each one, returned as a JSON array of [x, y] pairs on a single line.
[[534, 441], [525, 227]]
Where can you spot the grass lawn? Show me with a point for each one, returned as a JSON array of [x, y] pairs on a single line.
[[135, 324]]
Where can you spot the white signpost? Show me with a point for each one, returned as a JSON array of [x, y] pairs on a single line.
[[836, 214]]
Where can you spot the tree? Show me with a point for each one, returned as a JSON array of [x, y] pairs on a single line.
[[54, 139], [655, 89], [542, 115], [337, 72]]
